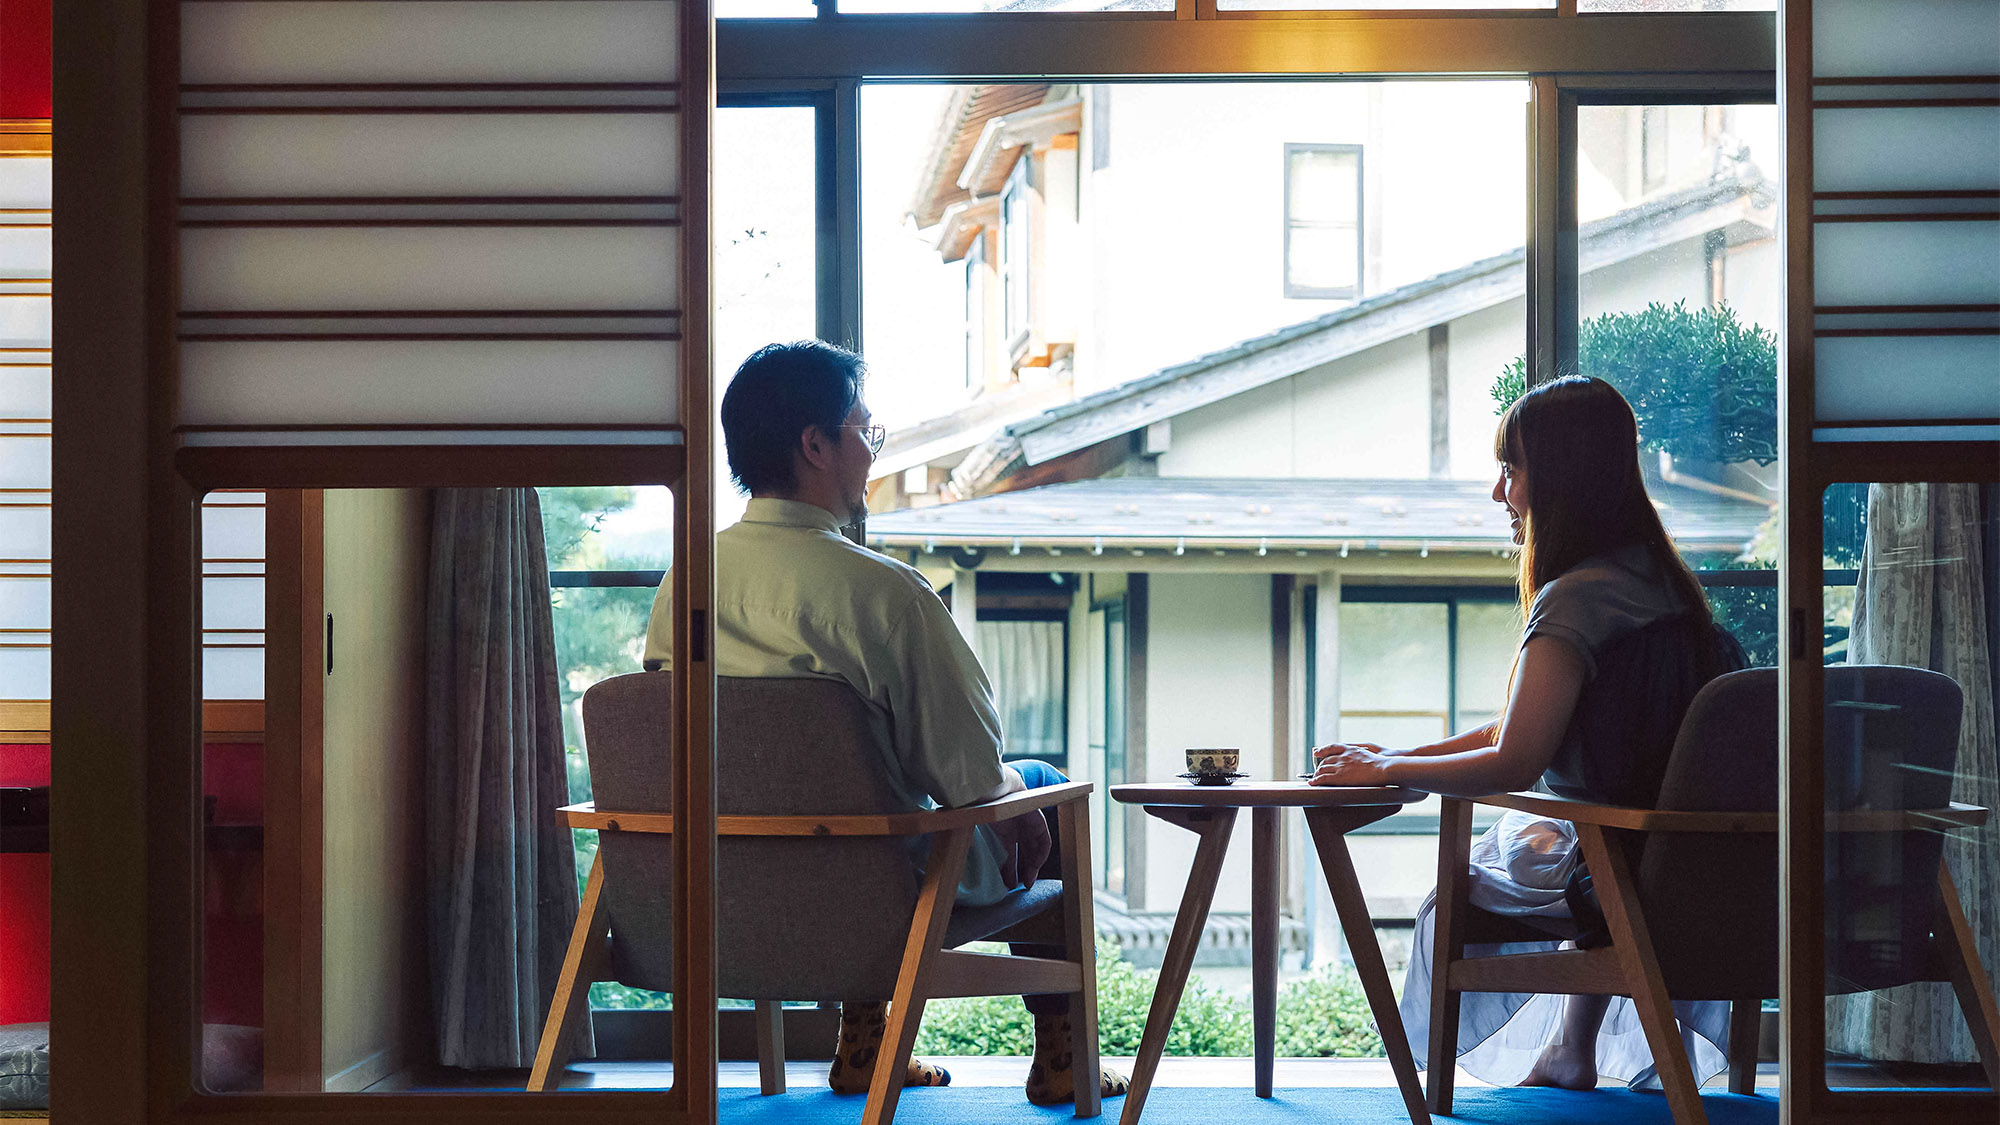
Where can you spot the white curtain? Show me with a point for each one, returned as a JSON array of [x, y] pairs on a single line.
[[1025, 661], [1921, 601]]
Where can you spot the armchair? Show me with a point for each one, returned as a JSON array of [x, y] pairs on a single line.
[[1689, 891], [820, 897]]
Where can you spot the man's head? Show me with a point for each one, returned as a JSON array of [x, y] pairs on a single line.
[[792, 420]]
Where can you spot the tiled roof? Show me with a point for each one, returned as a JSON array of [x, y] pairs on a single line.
[[1322, 513]]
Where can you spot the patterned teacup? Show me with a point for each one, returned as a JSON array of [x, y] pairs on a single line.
[[1212, 761]]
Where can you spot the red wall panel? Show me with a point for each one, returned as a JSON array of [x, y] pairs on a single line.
[[26, 66]]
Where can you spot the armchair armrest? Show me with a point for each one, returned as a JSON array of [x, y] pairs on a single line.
[[587, 815], [1955, 815]]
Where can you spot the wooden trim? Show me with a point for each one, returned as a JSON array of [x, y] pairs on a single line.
[[583, 960], [1632, 945], [294, 816], [1803, 68], [1138, 630], [1448, 937], [323, 337], [439, 466], [1080, 946], [1903, 103], [422, 87], [1586, 971], [585, 815], [957, 973], [437, 314], [1955, 815], [1952, 330], [385, 223], [24, 717], [1969, 980], [225, 719], [421, 109], [1912, 217]]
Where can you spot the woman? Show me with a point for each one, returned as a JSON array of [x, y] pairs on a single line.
[[1618, 638]]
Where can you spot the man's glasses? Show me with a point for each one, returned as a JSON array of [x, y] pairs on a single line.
[[873, 435]]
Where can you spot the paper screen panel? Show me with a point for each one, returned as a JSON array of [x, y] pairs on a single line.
[[405, 268], [439, 155], [24, 461], [1898, 148], [24, 531], [24, 251], [25, 671], [234, 531], [24, 604], [1898, 378], [390, 41], [25, 392], [232, 602], [25, 181], [1872, 38], [554, 382], [24, 321], [1906, 263], [232, 673]]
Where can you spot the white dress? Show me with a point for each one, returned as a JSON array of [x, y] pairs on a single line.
[[1520, 867]]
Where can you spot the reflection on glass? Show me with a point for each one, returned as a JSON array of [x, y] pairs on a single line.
[[1394, 672], [1910, 725], [1365, 5], [914, 7]]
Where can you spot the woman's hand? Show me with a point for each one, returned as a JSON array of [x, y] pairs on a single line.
[[1351, 763]]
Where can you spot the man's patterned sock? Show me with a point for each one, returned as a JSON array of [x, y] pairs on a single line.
[[862, 1024]]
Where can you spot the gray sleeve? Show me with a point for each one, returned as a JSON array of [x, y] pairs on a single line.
[[1591, 606]]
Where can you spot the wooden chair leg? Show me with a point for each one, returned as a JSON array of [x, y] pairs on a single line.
[[1080, 946], [1633, 944], [1213, 825], [906, 1009], [1448, 946], [581, 965], [770, 1021], [1970, 982], [1345, 887], [1746, 1020]]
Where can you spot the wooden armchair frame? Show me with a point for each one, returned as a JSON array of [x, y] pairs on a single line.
[[928, 971], [1629, 966]]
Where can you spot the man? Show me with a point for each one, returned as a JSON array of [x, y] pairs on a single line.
[[795, 599]]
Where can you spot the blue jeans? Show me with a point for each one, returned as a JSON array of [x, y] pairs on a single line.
[[1037, 774]]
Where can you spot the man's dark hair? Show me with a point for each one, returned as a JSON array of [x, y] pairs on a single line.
[[779, 391]]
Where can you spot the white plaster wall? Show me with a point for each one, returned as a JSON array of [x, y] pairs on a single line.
[[1753, 284], [1187, 221], [1482, 345], [1367, 415], [1671, 273], [1208, 669]]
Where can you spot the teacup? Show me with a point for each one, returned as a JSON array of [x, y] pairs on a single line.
[[1212, 761]]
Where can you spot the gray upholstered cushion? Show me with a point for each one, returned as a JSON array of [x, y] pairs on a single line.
[[972, 923], [24, 1066], [798, 919]]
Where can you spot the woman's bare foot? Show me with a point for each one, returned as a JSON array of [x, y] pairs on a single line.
[[1563, 1068]]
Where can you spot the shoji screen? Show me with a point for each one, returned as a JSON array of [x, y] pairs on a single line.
[[1905, 142], [441, 222], [24, 423]]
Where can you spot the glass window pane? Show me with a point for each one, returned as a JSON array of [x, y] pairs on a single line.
[[1322, 257], [1489, 634], [1025, 661], [1909, 724], [1368, 5], [921, 6], [766, 249], [1679, 300], [1394, 662], [1676, 5], [1324, 186]]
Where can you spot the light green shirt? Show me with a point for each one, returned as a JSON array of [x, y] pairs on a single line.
[[795, 599]]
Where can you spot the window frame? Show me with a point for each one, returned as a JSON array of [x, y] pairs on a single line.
[[1293, 290]]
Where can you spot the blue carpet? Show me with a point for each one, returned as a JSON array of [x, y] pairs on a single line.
[[1200, 1105]]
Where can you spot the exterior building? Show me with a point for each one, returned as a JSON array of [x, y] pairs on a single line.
[[1229, 486]]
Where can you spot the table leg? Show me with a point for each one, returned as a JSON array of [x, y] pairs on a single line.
[[1213, 825], [1264, 941], [1330, 840]]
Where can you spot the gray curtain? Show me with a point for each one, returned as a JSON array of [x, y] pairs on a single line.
[[1026, 661], [502, 872], [1921, 601]]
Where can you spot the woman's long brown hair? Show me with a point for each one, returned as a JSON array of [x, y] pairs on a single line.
[[1577, 441]]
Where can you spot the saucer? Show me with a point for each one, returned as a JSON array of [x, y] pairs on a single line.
[[1212, 778]]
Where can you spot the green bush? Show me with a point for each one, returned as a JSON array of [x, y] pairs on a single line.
[[1703, 384], [1321, 1015], [1326, 1015]]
